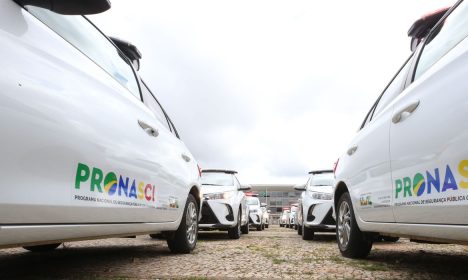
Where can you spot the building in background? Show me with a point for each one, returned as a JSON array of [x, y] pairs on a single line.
[[277, 197]]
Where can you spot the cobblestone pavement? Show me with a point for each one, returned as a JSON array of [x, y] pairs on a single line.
[[276, 253]]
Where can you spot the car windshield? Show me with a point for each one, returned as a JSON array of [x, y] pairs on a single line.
[[323, 179], [253, 201], [216, 179]]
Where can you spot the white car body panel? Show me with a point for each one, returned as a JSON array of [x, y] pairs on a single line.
[[428, 156], [321, 207], [59, 110], [255, 213], [445, 152], [219, 207]]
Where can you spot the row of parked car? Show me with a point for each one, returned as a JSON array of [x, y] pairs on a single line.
[[313, 211], [88, 151], [227, 206]]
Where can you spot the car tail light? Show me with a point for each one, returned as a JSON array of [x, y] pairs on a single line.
[[335, 165]]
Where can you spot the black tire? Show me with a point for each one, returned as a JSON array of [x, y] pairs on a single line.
[[235, 232], [245, 229], [267, 225], [299, 229], [281, 225], [307, 233], [295, 227], [390, 238], [263, 226], [259, 228], [42, 248], [352, 242], [185, 237]]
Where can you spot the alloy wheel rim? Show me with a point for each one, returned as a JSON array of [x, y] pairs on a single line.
[[191, 222], [344, 224]]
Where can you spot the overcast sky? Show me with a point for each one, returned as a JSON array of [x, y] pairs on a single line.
[[272, 89]]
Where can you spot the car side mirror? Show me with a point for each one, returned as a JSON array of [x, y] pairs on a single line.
[[129, 50], [300, 187], [82, 7], [263, 204]]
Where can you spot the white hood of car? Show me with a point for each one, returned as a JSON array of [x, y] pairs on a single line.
[[323, 189], [217, 189]]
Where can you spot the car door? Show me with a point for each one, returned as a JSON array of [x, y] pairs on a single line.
[[428, 133], [73, 148], [177, 170], [367, 160]]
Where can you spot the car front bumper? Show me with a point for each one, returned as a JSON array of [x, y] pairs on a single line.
[[217, 214], [255, 219], [319, 216]]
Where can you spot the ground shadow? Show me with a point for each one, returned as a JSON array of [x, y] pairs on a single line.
[[76, 262], [213, 235], [453, 265]]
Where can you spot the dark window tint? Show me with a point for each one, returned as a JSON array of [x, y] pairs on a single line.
[[79, 32], [151, 102], [443, 38]]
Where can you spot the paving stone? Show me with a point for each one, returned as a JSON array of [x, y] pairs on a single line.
[[276, 253]]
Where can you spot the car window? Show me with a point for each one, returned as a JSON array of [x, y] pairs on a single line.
[[151, 102], [443, 38], [252, 201], [84, 36], [393, 89], [216, 179], [237, 182], [323, 179]]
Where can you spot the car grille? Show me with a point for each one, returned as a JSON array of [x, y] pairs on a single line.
[[208, 217]]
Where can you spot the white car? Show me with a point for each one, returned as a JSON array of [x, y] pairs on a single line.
[[87, 150], [256, 213], [224, 203], [284, 218], [266, 215], [292, 216], [405, 174], [315, 205]]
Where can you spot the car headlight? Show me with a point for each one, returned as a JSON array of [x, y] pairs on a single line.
[[321, 195], [214, 196]]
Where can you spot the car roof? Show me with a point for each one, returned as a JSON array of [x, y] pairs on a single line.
[[321, 171], [219, 171]]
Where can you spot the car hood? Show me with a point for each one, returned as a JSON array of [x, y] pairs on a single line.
[[217, 189], [323, 189]]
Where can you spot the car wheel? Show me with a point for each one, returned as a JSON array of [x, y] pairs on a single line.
[[263, 226], [307, 233], [352, 242], [267, 225], [245, 228], [42, 248], [259, 227], [299, 229], [235, 232], [295, 227], [185, 237]]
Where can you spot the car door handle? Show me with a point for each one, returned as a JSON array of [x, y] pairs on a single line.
[[352, 150], [186, 158], [405, 111], [148, 129]]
